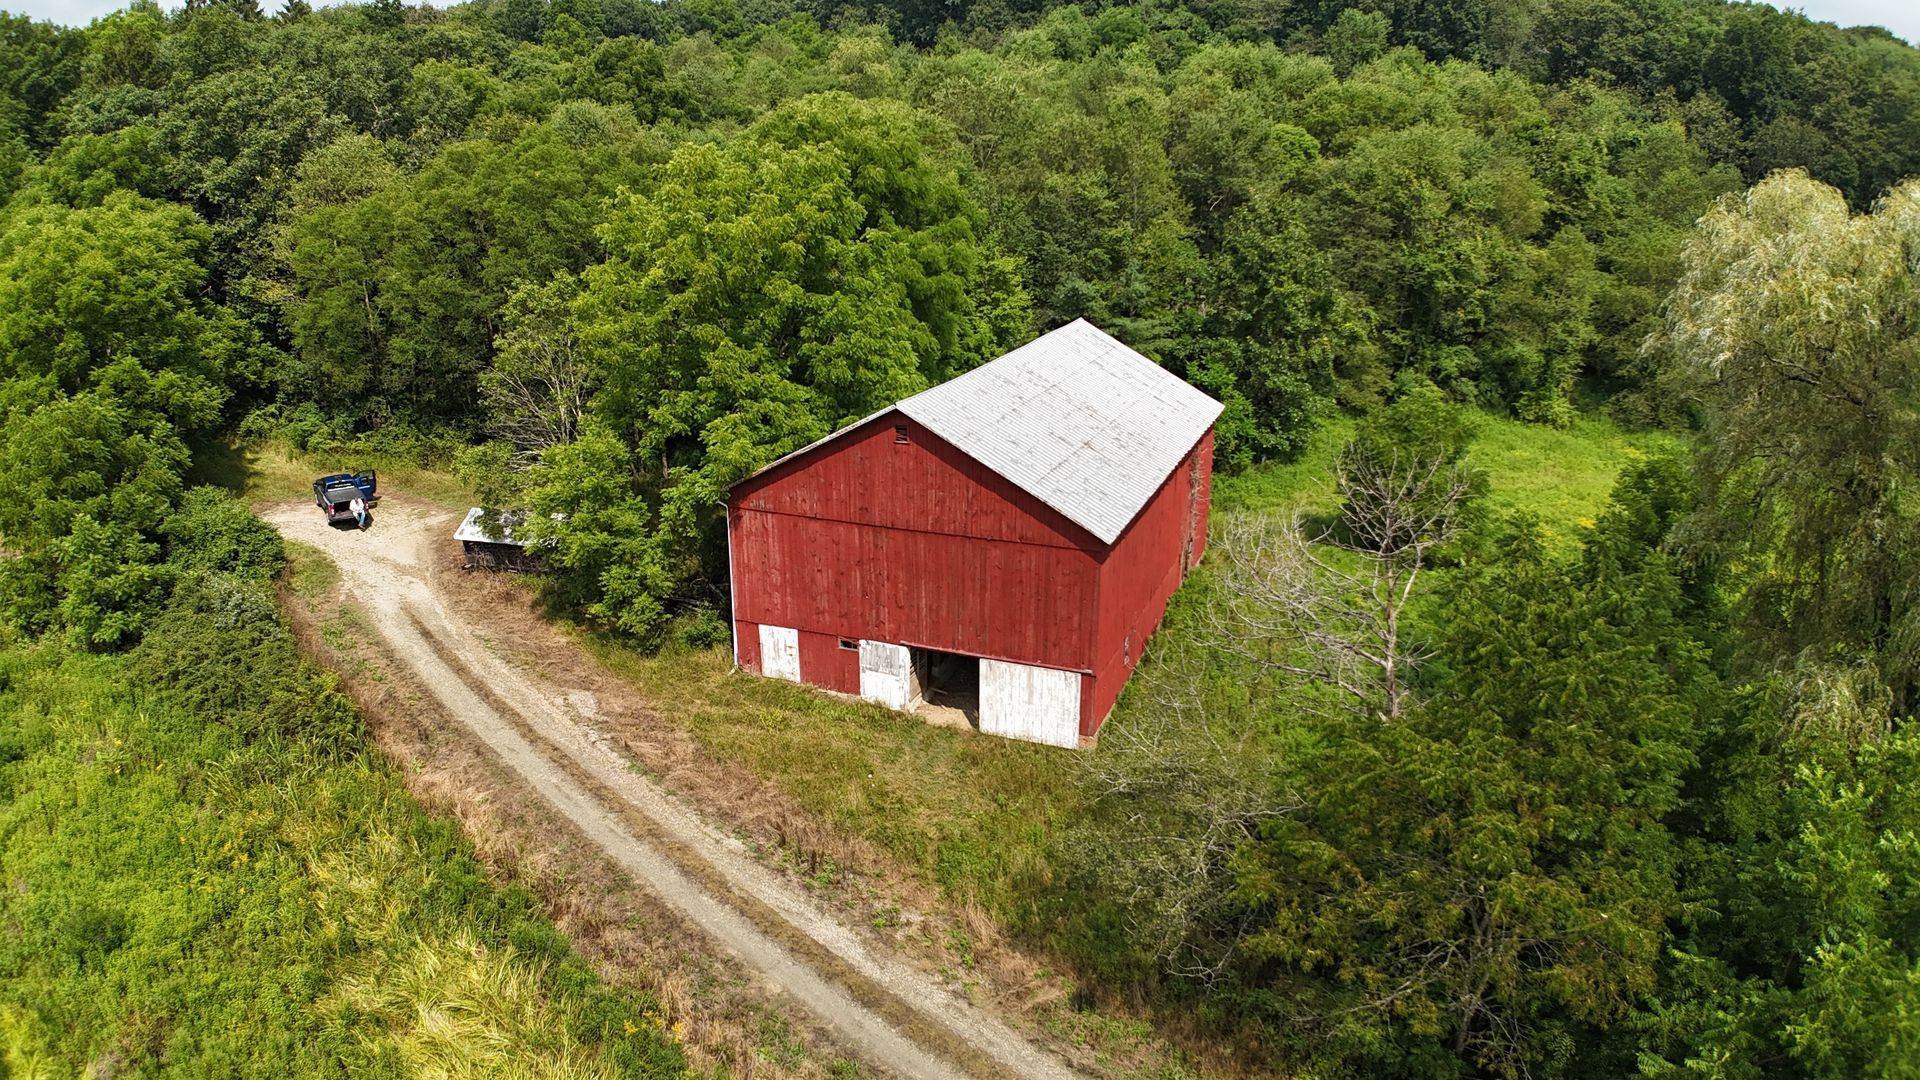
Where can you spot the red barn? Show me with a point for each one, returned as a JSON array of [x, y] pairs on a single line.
[[1004, 542]]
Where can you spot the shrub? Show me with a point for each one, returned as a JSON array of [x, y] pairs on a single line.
[[89, 933], [701, 628], [212, 532], [222, 653]]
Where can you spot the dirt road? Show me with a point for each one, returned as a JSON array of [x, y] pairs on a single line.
[[889, 1014]]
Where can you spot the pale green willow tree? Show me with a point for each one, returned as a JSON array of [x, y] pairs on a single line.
[[1795, 324], [754, 298]]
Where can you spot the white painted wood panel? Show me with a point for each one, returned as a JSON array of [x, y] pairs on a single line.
[[780, 652], [1036, 704], [887, 675]]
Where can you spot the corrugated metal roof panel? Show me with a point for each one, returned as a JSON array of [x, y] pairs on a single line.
[[477, 526], [1074, 418]]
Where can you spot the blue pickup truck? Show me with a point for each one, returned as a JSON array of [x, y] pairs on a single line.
[[337, 495]]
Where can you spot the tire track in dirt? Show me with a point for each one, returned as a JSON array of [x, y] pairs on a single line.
[[890, 1014]]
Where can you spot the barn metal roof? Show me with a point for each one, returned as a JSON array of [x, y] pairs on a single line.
[[1074, 418]]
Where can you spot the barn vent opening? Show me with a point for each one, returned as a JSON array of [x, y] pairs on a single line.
[[950, 682], [900, 434]]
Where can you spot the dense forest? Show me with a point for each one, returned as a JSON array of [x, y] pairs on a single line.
[[1648, 805]]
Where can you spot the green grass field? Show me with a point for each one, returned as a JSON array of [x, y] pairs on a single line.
[[1562, 477], [1559, 476], [972, 814]]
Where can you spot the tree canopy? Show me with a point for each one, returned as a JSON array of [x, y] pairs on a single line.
[[755, 299], [1406, 788]]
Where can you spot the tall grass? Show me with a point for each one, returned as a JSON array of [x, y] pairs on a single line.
[[458, 1008], [208, 874], [1560, 476], [971, 813], [271, 467]]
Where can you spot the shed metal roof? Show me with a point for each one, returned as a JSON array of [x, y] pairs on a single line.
[[1074, 418], [480, 524]]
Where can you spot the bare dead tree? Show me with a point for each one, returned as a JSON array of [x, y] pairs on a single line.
[[1189, 783], [537, 391], [1182, 794], [1330, 607]]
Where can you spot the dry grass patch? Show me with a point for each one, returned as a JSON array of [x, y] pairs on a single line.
[[726, 1024], [970, 813]]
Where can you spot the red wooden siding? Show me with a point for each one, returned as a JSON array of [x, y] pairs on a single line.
[[1140, 575], [824, 663], [746, 645], [865, 476], [1202, 463], [914, 544]]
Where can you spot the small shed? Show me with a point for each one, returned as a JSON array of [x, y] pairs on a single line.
[[488, 539], [1004, 542]]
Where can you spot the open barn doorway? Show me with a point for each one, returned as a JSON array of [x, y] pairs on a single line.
[[949, 686]]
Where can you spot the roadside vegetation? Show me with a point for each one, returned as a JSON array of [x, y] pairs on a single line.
[[208, 867], [1544, 707]]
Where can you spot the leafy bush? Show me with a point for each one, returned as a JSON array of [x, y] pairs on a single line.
[[211, 532], [701, 628], [221, 652]]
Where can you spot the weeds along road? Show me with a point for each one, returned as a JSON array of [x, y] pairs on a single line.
[[889, 1014]]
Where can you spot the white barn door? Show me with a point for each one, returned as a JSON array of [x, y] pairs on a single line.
[[1037, 704], [887, 675], [780, 652]]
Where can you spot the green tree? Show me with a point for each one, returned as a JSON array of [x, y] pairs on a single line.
[[126, 48], [1405, 474], [397, 296], [86, 294], [1490, 879], [1803, 962], [537, 392], [1278, 333], [40, 64], [1357, 37], [719, 351], [233, 139], [1794, 325], [84, 169], [109, 356], [95, 477]]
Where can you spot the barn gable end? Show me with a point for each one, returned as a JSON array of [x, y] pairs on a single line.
[[889, 471], [868, 538]]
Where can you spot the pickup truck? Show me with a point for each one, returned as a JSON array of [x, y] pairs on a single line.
[[335, 496]]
